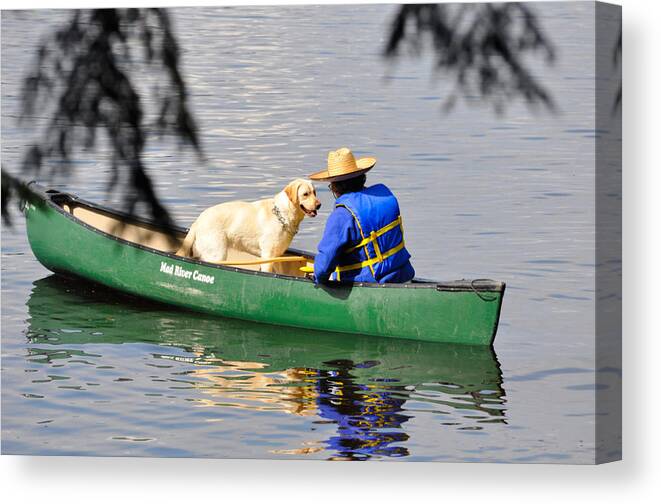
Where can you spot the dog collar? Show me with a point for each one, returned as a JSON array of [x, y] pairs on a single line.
[[285, 225]]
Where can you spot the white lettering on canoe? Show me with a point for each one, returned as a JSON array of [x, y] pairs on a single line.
[[201, 277], [178, 271]]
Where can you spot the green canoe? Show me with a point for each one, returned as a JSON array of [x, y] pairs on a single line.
[[78, 238]]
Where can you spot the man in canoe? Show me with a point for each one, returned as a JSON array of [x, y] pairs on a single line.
[[363, 240]]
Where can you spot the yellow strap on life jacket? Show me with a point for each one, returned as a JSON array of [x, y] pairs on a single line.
[[375, 234], [370, 262], [362, 234], [380, 257]]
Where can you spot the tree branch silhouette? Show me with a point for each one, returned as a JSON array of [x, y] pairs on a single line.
[[481, 46], [13, 189], [85, 69]]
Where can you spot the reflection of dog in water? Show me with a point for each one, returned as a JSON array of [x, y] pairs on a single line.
[[258, 389]]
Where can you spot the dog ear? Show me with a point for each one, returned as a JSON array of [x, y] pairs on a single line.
[[292, 191]]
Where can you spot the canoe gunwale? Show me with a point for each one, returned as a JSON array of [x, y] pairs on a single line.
[[49, 196]]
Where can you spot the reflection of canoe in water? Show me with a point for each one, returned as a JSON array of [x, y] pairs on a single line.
[[75, 237], [66, 312], [369, 388]]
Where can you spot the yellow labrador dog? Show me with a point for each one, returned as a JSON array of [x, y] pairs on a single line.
[[263, 228]]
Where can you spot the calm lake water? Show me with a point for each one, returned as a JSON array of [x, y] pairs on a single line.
[[89, 372]]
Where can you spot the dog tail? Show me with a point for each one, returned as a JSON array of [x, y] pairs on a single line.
[[186, 249]]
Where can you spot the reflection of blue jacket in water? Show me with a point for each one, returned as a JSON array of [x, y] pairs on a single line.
[[360, 414], [363, 240]]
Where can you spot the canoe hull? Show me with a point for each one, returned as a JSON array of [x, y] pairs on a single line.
[[424, 312]]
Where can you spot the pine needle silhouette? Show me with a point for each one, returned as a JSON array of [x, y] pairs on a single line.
[[481, 47], [85, 69]]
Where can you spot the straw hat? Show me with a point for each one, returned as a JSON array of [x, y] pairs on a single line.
[[342, 166]]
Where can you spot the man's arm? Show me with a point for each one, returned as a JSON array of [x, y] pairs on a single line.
[[338, 234]]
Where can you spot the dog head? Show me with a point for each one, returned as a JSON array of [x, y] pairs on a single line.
[[303, 196]]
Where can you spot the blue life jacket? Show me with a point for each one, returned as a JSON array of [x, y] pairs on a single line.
[[381, 250]]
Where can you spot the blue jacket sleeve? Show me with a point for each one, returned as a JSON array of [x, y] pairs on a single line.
[[338, 234]]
